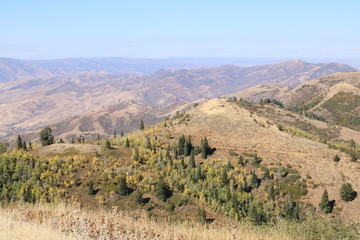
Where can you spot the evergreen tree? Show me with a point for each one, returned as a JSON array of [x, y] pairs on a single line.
[[91, 190], [147, 142], [224, 178], [192, 159], [135, 155], [229, 165], [336, 158], [114, 133], [30, 145], [347, 193], [254, 180], [241, 161], [72, 140], [181, 144], [142, 125], [98, 137], [266, 174], [127, 143], [162, 191], [325, 205], [46, 137], [19, 143], [122, 133], [352, 144], [188, 146], [24, 145], [61, 140], [108, 144], [138, 197], [204, 148], [272, 192], [123, 189]]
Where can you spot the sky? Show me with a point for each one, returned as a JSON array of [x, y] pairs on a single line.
[[50, 29]]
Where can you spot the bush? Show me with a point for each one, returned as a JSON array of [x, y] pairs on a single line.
[[336, 158], [347, 193]]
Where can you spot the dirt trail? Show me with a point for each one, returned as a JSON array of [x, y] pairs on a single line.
[[267, 150]]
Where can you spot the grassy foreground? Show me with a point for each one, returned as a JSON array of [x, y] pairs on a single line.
[[69, 222]]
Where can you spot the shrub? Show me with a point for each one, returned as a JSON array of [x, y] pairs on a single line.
[[347, 193]]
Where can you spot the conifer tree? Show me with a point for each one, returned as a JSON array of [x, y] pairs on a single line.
[[135, 155], [142, 125], [30, 145], [204, 148], [254, 180], [127, 143], [114, 133], [241, 161], [108, 144], [224, 178], [46, 137], [192, 159], [325, 205], [98, 137], [181, 144], [336, 158], [347, 193], [162, 191], [122, 133], [19, 143], [91, 190], [229, 165], [123, 189], [272, 192], [24, 145], [188, 146], [147, 142]]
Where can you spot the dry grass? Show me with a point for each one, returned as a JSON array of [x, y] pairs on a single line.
[[69, 222]]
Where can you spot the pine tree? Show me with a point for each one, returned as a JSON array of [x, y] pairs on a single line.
[[229, 165], [142, 125], [135, 155], [61, 140], [336, 158], [224, 178], [98, 137], [204, 148], [254, 180], [241, 161], [114, 133], [123, 189], [192, 159], [272, 192], [266, 174], [19, 143], [127, 143], [92, 190], [30, 145], [147, 142], [122, 133], [325, 205], [162, 191], [108, 144], [138, 197], [181, 144], [72, 140], [24, 145], [188, 146], [347, 193], [46, 137]]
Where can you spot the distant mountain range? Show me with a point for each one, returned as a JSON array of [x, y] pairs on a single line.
[[14, 69], [47, 96]]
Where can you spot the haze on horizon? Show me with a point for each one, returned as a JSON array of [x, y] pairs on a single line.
[[165, 29]]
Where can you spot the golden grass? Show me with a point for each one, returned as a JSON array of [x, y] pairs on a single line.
[[69, 222]]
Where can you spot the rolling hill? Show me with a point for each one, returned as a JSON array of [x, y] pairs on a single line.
[[29, 104]]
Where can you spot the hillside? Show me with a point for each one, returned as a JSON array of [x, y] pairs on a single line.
[[336, 98], [251, 172], [29, 104]]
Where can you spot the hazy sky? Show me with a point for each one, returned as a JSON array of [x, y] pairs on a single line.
[[33, 29]]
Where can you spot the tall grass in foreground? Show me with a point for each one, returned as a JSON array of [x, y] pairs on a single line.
[[69, 222]]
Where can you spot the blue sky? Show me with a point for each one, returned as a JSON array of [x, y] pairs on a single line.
[[34, 29]]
